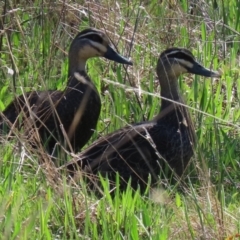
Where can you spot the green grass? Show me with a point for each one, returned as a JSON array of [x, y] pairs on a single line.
[[35, 204]]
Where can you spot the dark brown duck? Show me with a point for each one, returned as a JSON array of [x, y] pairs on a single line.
[[77, 108], [161, 146]]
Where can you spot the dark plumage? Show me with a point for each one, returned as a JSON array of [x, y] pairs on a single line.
[[77, 108], [149, 148]]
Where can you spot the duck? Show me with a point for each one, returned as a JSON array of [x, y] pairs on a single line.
[[152, 150], [70, 116]]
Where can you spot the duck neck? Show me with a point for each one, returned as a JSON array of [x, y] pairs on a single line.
[[76, 65], [77, 74], [173, 113], [169, 90]]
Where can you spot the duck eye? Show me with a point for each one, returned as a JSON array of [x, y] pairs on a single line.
[[95, 38]]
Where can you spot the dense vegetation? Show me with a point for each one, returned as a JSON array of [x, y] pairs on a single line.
[[34, 40]]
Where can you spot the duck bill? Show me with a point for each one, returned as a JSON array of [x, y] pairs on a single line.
[[111, 54], [202, 71]]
